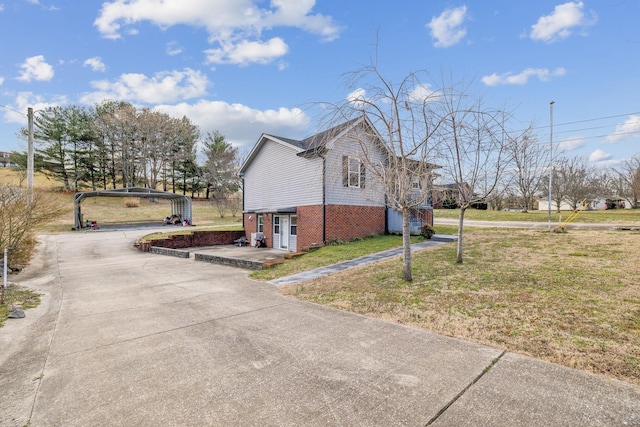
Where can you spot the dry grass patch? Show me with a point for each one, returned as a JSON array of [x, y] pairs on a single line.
[[571, 298]]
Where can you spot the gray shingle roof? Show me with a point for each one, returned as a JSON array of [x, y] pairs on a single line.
[[318, 140]]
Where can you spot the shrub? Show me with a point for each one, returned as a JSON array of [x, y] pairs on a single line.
[[427, 231], [132, 202], [21, 213]]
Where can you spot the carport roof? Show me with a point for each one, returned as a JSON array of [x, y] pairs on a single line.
[[180, 204], [128, 192]]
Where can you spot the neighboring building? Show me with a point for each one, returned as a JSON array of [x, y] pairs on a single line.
[[5, 161], [313, 191], [447, 195], [593, 203]]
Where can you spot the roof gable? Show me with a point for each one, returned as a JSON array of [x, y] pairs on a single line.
[[310, 145]]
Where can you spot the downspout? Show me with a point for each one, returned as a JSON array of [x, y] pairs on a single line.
[[324, 199], [242, 185], [386, 214]]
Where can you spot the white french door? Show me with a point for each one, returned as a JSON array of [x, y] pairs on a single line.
[[281, 231]]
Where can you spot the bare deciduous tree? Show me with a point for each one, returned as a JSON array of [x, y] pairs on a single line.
[[21, 212], [471, 149], [573, 182], [402, 128], [530, 161], [629, 175]]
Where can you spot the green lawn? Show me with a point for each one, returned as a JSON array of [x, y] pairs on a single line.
[[331, 254], [571, 298]]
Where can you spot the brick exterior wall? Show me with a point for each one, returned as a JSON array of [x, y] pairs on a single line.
[[350, 222], [251, 226], [194, 239], [344, 222], [309, 226], [426, 215]]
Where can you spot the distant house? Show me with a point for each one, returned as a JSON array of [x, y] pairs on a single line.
[[308, 192], [593, 203], [5, 161], [447, 195]]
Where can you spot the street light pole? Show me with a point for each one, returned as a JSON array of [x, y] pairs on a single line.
[[550, 160]]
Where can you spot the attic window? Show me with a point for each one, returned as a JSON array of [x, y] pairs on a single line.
[[353, 172]]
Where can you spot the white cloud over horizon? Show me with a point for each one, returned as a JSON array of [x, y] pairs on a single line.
[[447, 28], [241, 124], [234, 27], [247, 52], [629, 128], [599, 156], [542, 74], [561, 23], [162, 87], [36, 68], [95, 64], [571, 143]]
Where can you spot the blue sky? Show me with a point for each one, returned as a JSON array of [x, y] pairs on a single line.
[[246, 67]]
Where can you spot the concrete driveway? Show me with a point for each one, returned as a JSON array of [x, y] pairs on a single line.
[[128, 338]]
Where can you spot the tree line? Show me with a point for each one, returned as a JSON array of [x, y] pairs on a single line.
[[573, 179], [114, 144]]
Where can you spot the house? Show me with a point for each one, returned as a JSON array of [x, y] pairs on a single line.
[[594, 202], [5, 160], [302, 193]]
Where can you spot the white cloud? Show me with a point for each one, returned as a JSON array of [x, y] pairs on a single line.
[[247, 52], [24, 100], [234, 26], [543, 74], [168, 86], [447, 28], [599, 156], [95, 63], [629, 129], [1, 80], [1, 7], [358, 97], [571, 143], [422, 92], [560, 24], [36, 68], [173, 48], [240, 124]]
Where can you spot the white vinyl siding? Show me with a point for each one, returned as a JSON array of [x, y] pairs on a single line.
[[278, 178], [337, 193]]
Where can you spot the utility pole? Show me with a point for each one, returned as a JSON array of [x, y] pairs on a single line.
[[30, 150], [550, 160]]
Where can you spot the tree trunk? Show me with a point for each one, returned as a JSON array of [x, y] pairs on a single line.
[[406, 244], [460, 224]]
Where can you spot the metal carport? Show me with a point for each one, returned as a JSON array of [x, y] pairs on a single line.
[[180, 204]]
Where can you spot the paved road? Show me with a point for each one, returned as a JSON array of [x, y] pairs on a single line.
[[528, 224], [126, 338]]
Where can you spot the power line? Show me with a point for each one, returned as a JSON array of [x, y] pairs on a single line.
[[11, 109], [585, 120], [599, 136]]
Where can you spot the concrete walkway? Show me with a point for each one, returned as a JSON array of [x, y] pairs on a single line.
[[356, 262], [128, 338]]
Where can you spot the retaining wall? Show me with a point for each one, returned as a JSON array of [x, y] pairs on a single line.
[[233, 262], [170, 252], [193, 239]]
